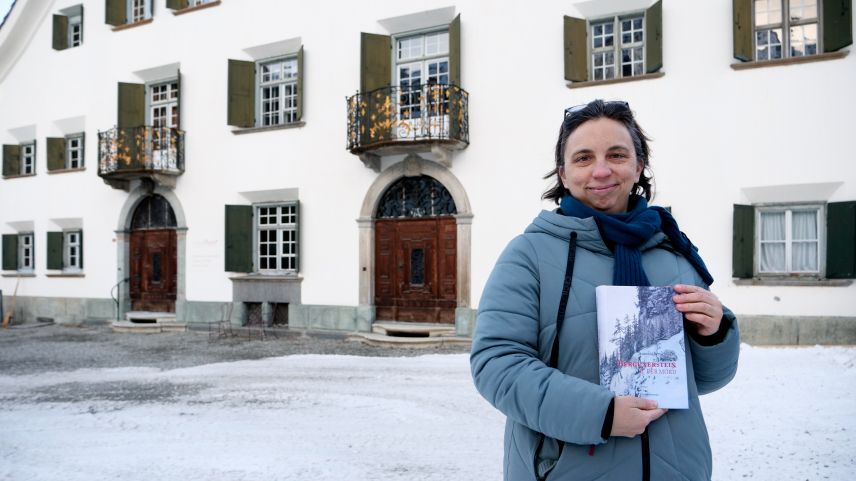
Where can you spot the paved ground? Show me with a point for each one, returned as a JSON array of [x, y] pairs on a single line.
[[30, 349]]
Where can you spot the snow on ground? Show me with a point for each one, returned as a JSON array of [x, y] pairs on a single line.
[[789, 414]]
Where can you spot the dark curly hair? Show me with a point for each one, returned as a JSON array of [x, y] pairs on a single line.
[[615, 110]]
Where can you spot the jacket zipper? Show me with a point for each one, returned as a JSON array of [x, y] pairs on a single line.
[[646, 456]]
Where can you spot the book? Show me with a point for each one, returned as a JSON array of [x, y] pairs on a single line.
[[641, 344]]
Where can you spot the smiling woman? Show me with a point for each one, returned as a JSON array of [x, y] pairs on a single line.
[[544, 377]]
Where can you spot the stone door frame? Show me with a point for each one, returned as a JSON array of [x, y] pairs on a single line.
[[123, 247], [413, 166]]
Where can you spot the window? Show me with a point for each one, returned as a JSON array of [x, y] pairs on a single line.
[[25, 252], [802, 241], [19, 159], [277, 91], [68, 28], [614, 47], [771, 31], [75, 31], [72, 255], [422, 73], [139, 10], [627, 48], [789, 240], [28, 159], [74, 152], [785, 28], [267, 93], [276, 234], [263, 238], [163, 113]]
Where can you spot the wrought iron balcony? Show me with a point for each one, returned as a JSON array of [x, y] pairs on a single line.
[[393, 119], [125, 154]]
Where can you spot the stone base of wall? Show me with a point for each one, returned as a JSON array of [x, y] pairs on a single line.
[[757, 330], [797, 330], [62, 310]]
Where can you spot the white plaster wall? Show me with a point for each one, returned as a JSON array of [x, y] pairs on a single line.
[[715, 131]]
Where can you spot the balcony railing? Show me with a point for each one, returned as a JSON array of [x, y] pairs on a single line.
[[126, 153], [390, 116]]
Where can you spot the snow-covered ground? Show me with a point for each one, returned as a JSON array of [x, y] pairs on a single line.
[[790, 414]]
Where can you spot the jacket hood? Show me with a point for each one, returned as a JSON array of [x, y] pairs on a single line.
[[588, 236]]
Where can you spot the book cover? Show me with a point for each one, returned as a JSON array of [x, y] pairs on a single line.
[[641, 344]]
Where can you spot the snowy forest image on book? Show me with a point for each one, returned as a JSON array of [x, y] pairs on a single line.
[[641, 344]]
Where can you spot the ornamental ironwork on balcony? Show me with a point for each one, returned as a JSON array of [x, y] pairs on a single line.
[[125, 154], [391, 120]]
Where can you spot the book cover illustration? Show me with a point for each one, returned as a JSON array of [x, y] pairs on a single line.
[[641, 344]]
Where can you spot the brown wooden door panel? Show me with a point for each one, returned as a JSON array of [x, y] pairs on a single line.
[[416, 266], [153, 270]]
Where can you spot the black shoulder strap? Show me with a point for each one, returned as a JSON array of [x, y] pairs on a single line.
[[563, 303]]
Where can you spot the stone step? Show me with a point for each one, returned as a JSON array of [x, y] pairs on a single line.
[[413, 330], [381, 340]]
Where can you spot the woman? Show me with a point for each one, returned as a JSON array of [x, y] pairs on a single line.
[[561, 424]]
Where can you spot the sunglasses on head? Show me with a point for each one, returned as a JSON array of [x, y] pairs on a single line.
[[577, 108]]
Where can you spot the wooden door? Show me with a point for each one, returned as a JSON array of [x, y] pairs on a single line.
[[153, 270], [416, 266]]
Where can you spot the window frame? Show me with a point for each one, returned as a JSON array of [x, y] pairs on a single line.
[[79, 137], [282, 83], [75, 21], [788, 208], [279, 228], [617, 45], [25, 157], [22, 257], [67, 245], [785, 26], [147, 11]]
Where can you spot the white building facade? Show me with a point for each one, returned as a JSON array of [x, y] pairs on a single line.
[[331, 165]]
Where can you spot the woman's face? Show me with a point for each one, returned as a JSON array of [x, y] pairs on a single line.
[[600, 165]]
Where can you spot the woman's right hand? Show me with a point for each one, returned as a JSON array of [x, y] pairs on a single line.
[[631, 415]]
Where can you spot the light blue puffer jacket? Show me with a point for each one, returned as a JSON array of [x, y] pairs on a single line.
[[511, 349]]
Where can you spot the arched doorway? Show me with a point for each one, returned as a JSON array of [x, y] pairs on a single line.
[[416, 252], [152, 256]]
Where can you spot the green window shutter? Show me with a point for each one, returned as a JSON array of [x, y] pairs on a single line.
[[455, 51], [132, 105], [654, 42], [743, 46], [11, 159], [841, 240], [743, 242], [176, 4], [242, 94], [55, 256], [60, 32], [239, 238], [376, 61], [10, 252], [80, 253], [576, 49], [115, 13], [837, 24], [300, 83], [56, 153]]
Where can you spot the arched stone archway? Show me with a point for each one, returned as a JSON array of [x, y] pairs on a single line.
[[413, 166], [123, 240]]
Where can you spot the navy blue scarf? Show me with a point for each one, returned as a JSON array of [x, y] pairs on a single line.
[[628, 231]]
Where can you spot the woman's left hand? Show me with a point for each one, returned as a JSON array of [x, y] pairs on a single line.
[[699, 306]]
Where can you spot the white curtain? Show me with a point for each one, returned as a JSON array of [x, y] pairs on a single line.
[[773, 253], [804, 235]]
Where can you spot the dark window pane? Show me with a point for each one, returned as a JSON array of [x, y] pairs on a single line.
[[417, 266], [156, 267]]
